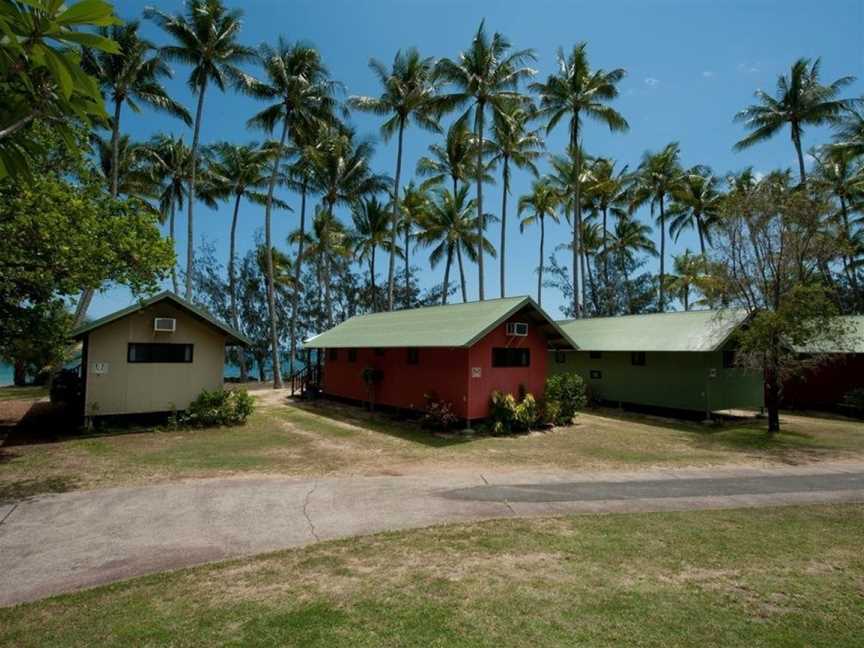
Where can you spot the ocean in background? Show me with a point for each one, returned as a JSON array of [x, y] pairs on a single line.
[[7, 374]]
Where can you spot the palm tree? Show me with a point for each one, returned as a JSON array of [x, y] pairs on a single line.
[[297, 83], [801, 100], [689, 272], [410, 93], [371, 232], [697, 204], [576, 91], [542, 202], [629, 239], [205, 37], [240, 171], [592, 246], [850, 129], [450, 228], [485, 75], [658, 177], [455, 160], [132, 173], [329, 242], [606, 191], [512, 142], [415, 205]]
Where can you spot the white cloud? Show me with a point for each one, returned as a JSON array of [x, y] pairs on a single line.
[[749, 68], [758, 175], [651, 82], [707, 74]]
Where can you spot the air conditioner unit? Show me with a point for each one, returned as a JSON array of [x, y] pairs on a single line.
[[164, 324], [519, 329]]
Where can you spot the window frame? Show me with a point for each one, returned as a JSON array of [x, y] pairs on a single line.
[[162, 345], [560, 357], [509, 354]]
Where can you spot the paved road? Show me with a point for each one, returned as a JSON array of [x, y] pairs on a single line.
[[58, 543]]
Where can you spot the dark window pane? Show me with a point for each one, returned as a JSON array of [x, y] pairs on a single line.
[[379, 352], [595, 355], [332, 354], [637, 358], [158, 352], [596, 374], [728, 359], [510, 357], [352, 355], [413, 356], [560, 357]]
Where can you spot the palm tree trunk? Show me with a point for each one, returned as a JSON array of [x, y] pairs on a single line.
[[447, 275], [372, 282], [627, 289], [505, 173], [271, 291], [394, 226], [701, 231], [481, 225], [328, 262], [540, 267], [171, 220], [796, 141], [407, 303], [848, 261], [298, 264], [662, 303], [578, 297], [462, 274], [190, 238], [232, 283], [607, 297]]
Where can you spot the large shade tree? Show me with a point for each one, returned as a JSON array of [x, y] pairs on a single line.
[[575, 92], [485, 76]]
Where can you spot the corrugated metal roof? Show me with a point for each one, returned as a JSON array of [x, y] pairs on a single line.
[[453, 325], [852, 342], [681, 331], [233, 336]]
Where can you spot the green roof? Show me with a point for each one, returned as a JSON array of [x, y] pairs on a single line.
[[453, 325], [852, 338], [234, 337], [680, 331]]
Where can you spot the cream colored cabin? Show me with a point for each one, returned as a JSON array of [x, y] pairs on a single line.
[[132, 365]]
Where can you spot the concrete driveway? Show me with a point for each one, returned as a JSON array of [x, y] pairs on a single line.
[[58, 543]]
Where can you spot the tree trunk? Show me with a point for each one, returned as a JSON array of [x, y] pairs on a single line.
[[372, 282], [447, 275], [18, 125], [232, 284], [190, 253], [796, 141], [462, 274], [772, 399], [578, 297], [328, 299], [701, 231], [627, 290], [506, 182], [171, 220], [271, 291], [662, 303], [540, 267], [407, 302], [607, 288], [298, 264], [19, 378], [481, 225], [848, 261], [115, 148], [394, 226]]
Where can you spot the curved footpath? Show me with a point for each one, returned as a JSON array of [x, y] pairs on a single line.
[[59, 543]]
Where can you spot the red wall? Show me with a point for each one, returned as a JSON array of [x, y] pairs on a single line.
[[825, 385], [444, 372]]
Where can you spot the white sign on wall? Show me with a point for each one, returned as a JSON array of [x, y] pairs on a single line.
[[476, 372], [99, 368]]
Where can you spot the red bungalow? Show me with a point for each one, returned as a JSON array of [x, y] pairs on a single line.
[[458, 353]]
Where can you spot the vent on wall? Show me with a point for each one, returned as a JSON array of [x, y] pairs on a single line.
[[164, 324], [519, 329]]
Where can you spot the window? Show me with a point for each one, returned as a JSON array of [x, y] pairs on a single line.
[[352, 355], [379, 352], [637, 358], [414, 356], [158, 352], [595, 355], [560, 357], [728, 359], [506, 357], [332, 355], [596, 374]]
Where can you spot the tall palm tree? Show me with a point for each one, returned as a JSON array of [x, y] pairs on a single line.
[[450, 228], [541, 203], [205, 37], [696, 204], [302, 96], [606, 191], [630, 238], [850, 128], [689, 273], [415, 205], [371, 232], [239, 171], [485, 75], [801, 100], [592, 247], [577, 91], [329, 243], [131, 77], [133, 173], [658, 177], [513, 142], [455, 160], [409, 94]]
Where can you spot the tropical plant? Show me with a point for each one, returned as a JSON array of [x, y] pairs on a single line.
[[303, 97], [454, 160], [205, 37], [410, 94], [371, 232], [850, 128], [541, 203], [576, 91], [485, 76], [801, 100], [513, 142], [568, 391], [658, 177], [629, 239], [134, 175], [415, 205], [696, 205], [329, 242], [690, 272]]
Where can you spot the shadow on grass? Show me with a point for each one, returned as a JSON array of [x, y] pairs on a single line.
[[391, 424], [16, 491]]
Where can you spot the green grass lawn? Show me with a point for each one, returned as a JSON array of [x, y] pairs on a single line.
[[326, 439], [22, 393], [761, 577]]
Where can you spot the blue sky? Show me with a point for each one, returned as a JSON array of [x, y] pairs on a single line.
[[690, 67]]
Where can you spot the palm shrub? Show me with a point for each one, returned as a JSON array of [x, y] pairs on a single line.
[[565, 396]]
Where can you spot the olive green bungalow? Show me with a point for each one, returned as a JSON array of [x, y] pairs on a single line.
[[680, 361]]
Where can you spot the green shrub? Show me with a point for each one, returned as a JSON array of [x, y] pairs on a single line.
[[550, 411], [507, 415], [568, 391], [439, 414], [527, 413], [219, 407]]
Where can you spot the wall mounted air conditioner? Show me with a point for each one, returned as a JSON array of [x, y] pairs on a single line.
[[519, 329], [164, 324]]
